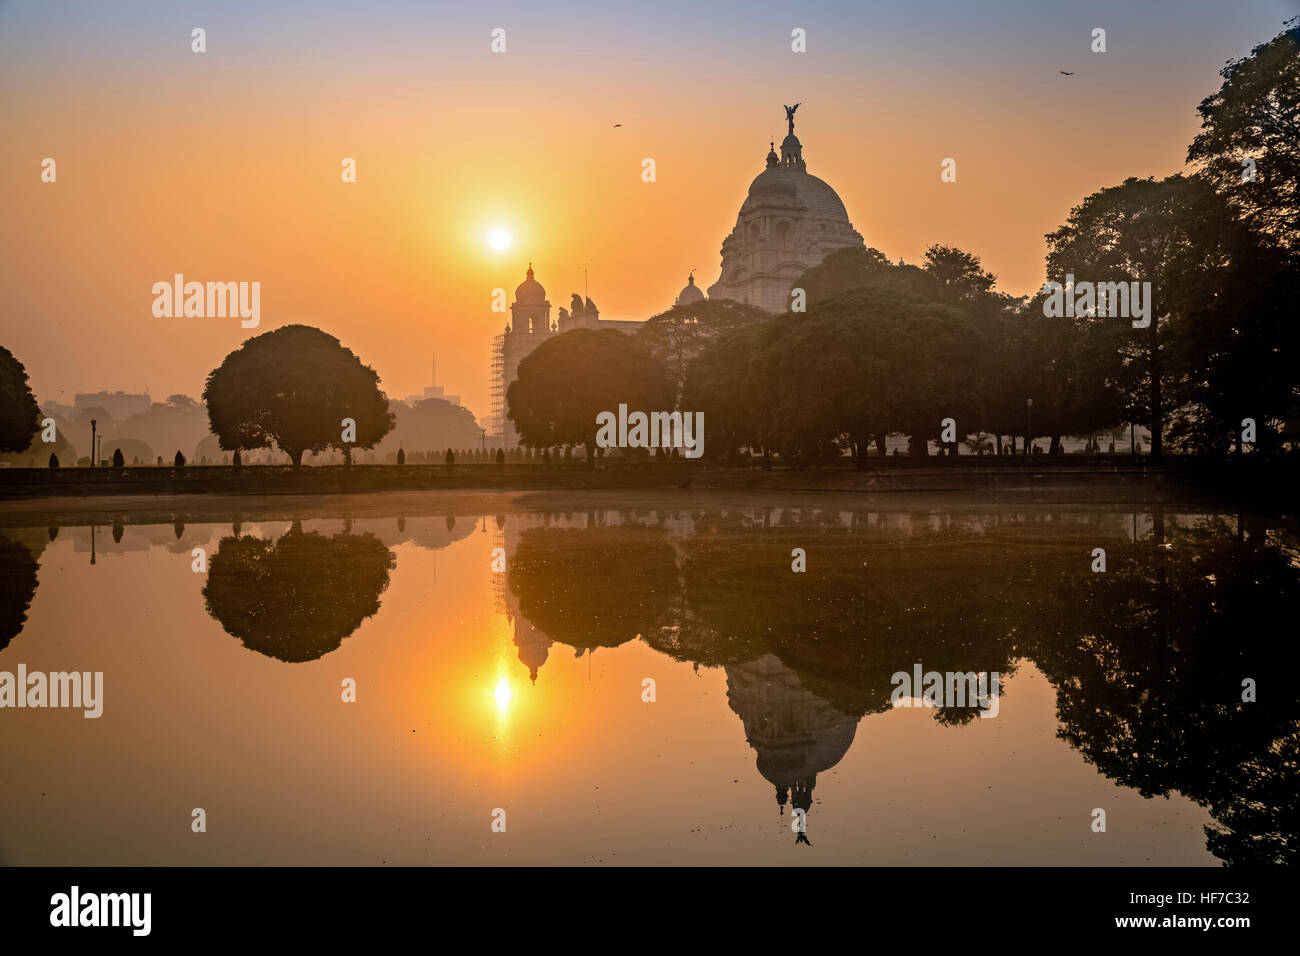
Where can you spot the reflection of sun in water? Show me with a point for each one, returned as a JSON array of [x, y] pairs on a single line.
[[502, 695], [499, 239]]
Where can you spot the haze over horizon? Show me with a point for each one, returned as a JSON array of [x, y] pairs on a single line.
[[225, 166]]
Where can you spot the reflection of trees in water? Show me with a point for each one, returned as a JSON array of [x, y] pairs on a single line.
[[18, 572], [1148, 662], [296, 599], [601, 586], [593, 587], [873, 601], [1147, 658]]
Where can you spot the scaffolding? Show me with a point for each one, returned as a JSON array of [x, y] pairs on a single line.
[[497, 372]]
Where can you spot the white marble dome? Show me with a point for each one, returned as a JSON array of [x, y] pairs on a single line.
[[789, 222]]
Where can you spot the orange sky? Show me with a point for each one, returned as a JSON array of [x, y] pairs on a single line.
[[225, 166]]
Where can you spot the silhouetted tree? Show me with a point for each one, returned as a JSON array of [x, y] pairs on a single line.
[[678, 335], [19, 413], [1176, 234], [848, 269], [568, 380], [1249, 142], [292, 388], [959, 275], [727, 383]]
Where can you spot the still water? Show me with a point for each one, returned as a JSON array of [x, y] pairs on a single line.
[[524, 690]]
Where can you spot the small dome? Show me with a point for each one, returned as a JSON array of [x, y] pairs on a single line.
[[690, 294], [530, 290]]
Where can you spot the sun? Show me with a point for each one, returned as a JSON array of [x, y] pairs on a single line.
[[499, 239]]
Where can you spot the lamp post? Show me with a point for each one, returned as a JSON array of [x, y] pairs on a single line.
[[93, 458], [1029, 424]]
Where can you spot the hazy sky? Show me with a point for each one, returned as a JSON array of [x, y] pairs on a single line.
[[225, 165]]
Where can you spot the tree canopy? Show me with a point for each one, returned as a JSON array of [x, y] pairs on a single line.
[[568, 380], [678, 335], [292, 388], [1178, 235], [1249, 144], [19, 413]]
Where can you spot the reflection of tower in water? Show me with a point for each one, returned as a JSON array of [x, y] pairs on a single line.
[[534, 646], [795, 733]]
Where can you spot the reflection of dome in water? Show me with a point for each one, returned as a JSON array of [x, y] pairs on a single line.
[[533, 643], [534, 646], [795, 733]]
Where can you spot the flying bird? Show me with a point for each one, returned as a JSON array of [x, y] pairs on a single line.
[[617, 125], [1063, 73]]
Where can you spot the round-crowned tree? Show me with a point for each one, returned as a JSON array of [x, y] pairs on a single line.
[[297, 598], [19, 413], [291, 388], [568, 380]]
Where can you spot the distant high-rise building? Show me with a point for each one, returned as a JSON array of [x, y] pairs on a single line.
[[432, 391]]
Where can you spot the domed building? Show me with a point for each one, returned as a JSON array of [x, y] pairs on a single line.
[[690, 294], [789, 222], [530, 325]]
